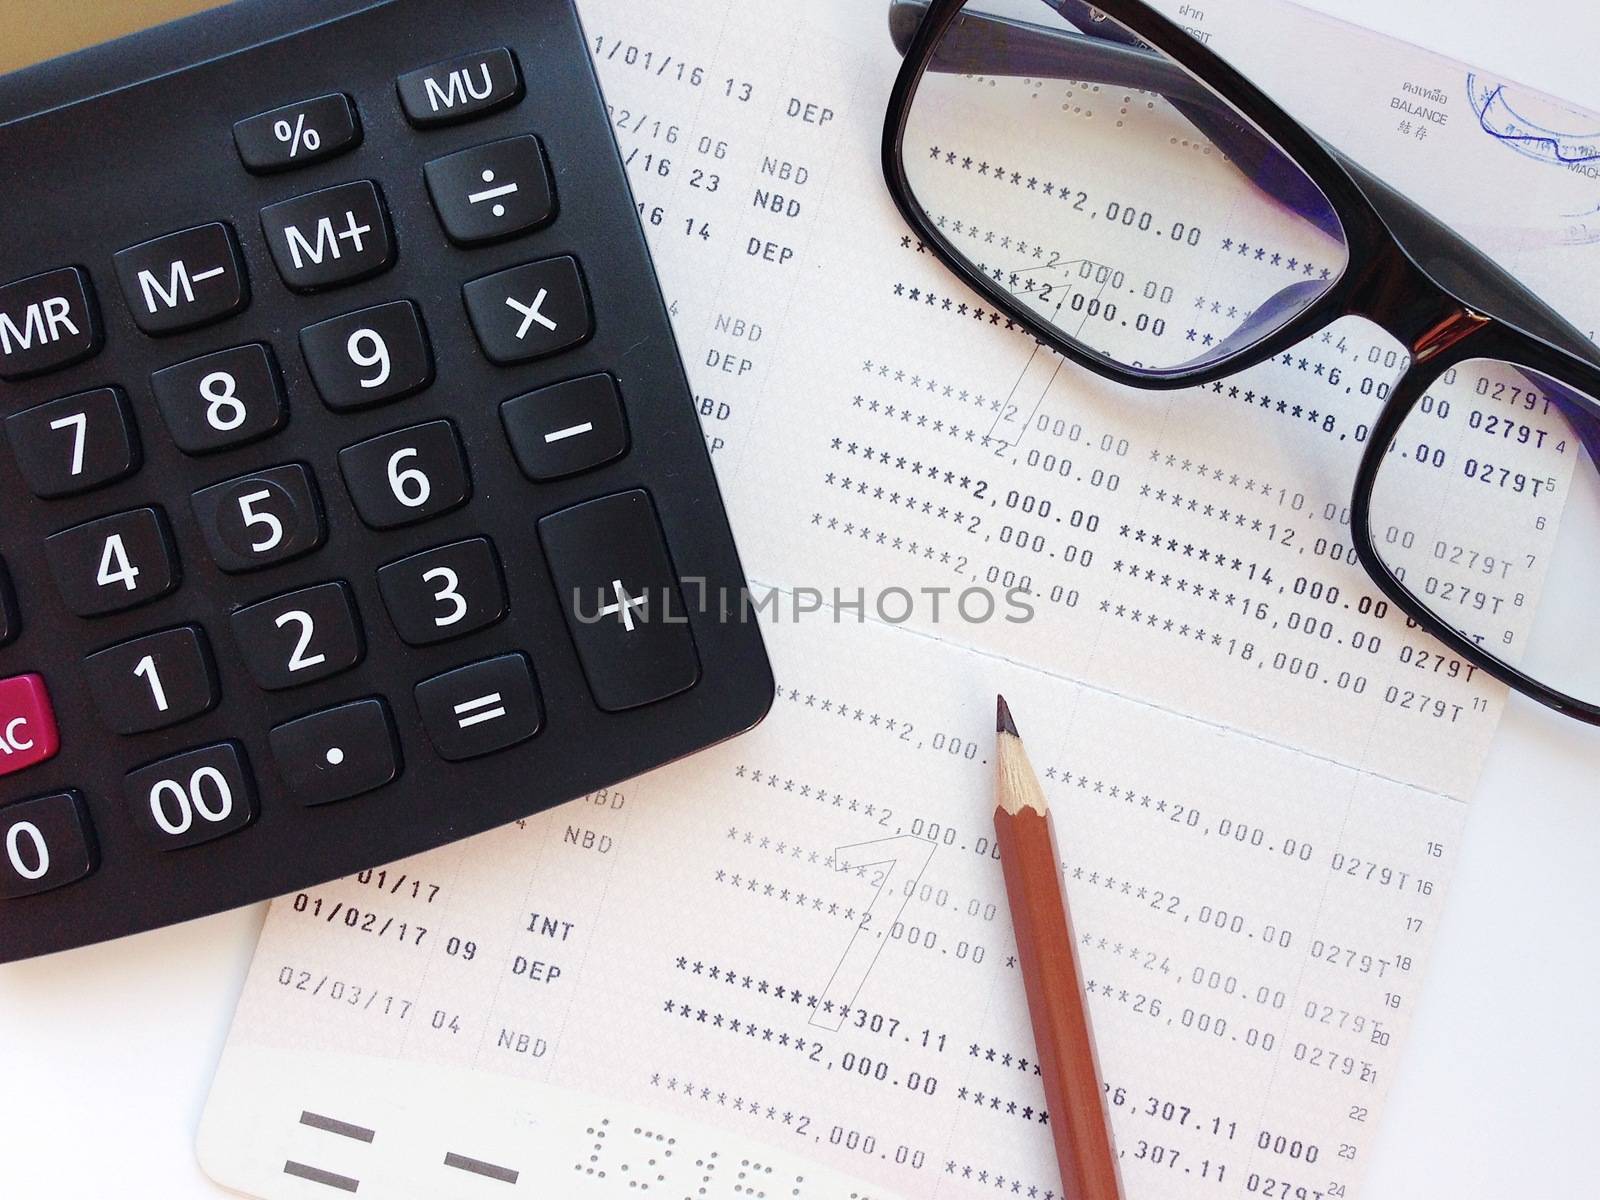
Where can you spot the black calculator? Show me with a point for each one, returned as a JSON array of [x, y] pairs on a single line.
[[355, 498]]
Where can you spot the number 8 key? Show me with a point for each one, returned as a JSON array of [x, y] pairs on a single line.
[[222, 400]]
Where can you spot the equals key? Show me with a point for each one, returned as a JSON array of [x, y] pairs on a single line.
[[480, 708]]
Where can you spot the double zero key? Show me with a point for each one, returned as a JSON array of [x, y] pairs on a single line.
[[193, 797]]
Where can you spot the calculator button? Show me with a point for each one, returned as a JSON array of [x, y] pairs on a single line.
[[300, 637], [47, 322], [368, 357], [260, 519], [335, 236], [567, 427], [10, 612], [223, 399], [493, 191], [45, 843], [27, 723], [460, 89], [192, 797], [619, 594], [444, 593], [113, 563], [481, 708], [184, 279], [338, 752], [406, 476], [75, 443], [298, 135], [529, 311], [153, 681]]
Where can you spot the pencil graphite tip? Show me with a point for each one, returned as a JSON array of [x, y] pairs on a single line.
[[1002, 717]]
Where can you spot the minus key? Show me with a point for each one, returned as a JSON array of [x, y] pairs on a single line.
[[567, 427]]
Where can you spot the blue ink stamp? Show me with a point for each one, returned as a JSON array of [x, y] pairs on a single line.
[[1504, 122], [1511, 126]]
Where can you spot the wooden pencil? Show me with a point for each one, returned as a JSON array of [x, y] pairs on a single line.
[[1048, 955]]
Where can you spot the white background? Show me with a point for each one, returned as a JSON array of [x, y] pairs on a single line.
[[106, 1053]]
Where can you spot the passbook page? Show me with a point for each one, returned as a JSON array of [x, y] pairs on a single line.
[[784, 967]]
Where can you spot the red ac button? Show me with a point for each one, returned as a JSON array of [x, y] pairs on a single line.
[[27, 723]]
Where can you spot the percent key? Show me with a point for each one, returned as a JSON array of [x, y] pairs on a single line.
[[298, 135]]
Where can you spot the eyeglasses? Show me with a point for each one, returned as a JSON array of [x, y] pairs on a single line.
[[1476, 506]]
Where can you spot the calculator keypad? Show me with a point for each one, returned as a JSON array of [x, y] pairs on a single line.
[[369, 357], [153, 681], [113, 563], [306, 432], [221, 400], [406, 476], [338, 752], [530, 311], [328, 238], [261, 519], [45, 842], [193, 797], [183, 280], [76, 443], [443, 593], [300, 637]]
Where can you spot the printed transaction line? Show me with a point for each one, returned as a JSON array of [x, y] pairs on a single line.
[[1103, 690]]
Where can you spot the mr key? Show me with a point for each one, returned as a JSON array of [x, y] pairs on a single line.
[[362, 474]]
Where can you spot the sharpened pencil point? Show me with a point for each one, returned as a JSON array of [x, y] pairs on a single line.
[[1002, 718]]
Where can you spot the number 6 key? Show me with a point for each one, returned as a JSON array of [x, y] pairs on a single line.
[[406, 476]]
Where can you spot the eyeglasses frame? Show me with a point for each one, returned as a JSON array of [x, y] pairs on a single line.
[[1484, 312]]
